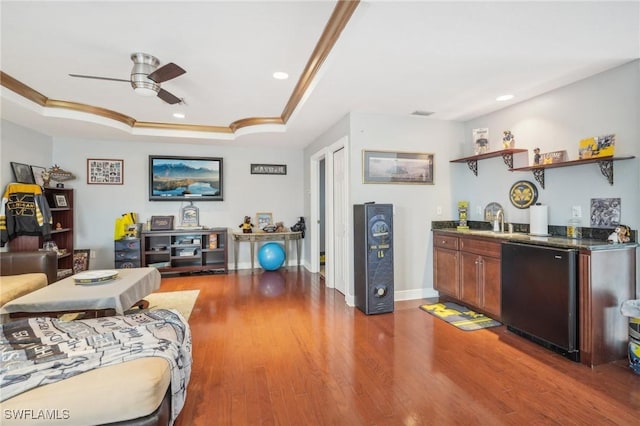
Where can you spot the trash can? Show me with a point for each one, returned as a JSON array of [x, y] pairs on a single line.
[[631, 309]]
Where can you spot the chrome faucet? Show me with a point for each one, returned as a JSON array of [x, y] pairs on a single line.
[[500, 214]]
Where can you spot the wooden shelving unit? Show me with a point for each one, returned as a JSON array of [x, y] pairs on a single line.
[[506, 154], [62, 235], [605, 163], [186, 251]]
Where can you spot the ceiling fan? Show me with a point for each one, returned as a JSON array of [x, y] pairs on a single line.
[[146, 77]]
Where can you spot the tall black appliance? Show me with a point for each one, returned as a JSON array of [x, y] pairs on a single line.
[[373, 257], [539, 295]]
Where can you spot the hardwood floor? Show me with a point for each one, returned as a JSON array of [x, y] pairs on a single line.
[[278, 348]]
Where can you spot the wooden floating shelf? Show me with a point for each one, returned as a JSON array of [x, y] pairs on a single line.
[[605, 163], [506, 154]]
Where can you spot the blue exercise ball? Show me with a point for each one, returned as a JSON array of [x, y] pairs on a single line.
[[271, 256]]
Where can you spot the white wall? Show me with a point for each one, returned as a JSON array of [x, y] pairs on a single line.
[[97, 206], [606, 103], [22, 145], [415, 206]]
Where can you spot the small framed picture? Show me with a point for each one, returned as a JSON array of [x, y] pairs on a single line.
[[38, 175], [268, 169], [263, 219], [105, 172], [22, 173], [80, 260], [480, 140], [161, 223], [60, 200]]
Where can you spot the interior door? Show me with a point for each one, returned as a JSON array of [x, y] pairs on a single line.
[[340, 222]]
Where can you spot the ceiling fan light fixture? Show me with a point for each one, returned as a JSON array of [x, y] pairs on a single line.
[[145, 91], [143, 65]]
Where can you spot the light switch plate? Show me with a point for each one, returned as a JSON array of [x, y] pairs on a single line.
[[576, 211]]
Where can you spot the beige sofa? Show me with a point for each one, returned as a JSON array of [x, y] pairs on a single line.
[[146, 401], [22, 272]]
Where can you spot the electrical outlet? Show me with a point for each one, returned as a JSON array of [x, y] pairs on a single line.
[[92, 254], [439, 210], [576, 211], [479, 210]]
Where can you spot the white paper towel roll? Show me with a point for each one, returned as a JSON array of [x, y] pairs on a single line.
[[539, 220]]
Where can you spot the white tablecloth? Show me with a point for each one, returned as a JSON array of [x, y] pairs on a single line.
[[130, 286]]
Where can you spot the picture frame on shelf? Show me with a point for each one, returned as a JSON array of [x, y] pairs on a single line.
[[22, 173], [81, 260], [397, 167], [105, 171], [480, 140], [190, 216], [60, 200], [161, 223], [38, 177], [263, 219]]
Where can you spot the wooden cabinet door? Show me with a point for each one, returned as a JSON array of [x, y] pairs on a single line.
[[491, 286], [469, 278], [445, 271]]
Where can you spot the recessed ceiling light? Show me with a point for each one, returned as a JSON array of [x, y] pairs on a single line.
[[504, 98], [279, 75], [178, 114]]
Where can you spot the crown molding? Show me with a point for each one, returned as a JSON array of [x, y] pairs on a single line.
[[337, 22]]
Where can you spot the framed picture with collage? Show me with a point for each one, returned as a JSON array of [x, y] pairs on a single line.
[[105, 172]]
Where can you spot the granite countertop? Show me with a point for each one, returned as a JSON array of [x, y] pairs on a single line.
[[558, 241]]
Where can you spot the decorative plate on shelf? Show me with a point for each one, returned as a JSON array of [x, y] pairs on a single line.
[[523, 194], [93, 277]]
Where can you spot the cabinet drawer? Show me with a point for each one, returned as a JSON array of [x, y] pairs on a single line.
[[480, 246], [127, 244], [127, 255], [445, 241]]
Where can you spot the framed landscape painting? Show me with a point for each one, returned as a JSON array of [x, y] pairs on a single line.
[[397, 167]]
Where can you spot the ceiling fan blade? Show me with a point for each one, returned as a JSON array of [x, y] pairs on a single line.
[[98, 78], [166, 73], [168, 97]]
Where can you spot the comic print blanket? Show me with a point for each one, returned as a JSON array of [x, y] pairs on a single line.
[[38, 351]]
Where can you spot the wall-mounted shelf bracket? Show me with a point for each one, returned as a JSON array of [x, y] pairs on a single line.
[[507, 157], [538, 174], [473, 166], [606, 167]]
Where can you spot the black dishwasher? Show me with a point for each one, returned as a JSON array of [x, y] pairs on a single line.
[[539, 295]]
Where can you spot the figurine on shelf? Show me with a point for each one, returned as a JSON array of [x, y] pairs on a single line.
[[280, 227], [246, 225], [536, 156], [508, 141]]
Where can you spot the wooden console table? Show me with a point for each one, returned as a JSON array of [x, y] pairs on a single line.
[[262, 237]]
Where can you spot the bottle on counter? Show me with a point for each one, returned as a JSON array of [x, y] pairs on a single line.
[[573, 228]]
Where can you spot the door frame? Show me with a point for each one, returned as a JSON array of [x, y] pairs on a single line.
[[327, 153]]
